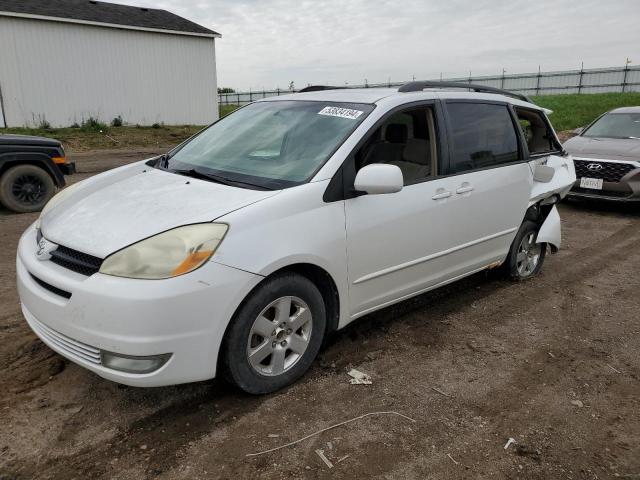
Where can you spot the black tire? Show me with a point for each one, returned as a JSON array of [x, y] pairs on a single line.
[[513, 264], [26, 188], [240, 335]]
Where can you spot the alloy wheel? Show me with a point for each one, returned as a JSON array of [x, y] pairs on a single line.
[[528, 255], [279, 336]]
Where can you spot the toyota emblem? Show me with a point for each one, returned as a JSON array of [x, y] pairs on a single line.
[[45, 247], [594, 167]]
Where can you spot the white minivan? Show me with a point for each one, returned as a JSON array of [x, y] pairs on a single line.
[[240, 250]]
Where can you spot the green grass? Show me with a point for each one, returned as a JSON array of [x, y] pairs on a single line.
[[83, 139], [573, 111], [227, 109]]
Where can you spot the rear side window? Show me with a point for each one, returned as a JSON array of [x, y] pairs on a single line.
[[482, 135]]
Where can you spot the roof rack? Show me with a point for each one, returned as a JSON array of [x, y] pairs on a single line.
[[318, 88], [421, 85]]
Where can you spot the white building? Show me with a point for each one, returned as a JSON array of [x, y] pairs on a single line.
[[64, 61]]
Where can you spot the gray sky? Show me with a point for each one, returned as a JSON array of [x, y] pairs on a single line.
[[268, 43]]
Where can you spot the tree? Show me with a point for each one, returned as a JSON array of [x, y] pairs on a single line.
[[226, 90], [292, 86]]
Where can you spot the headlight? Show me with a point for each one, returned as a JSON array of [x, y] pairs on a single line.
[[169, 254], [56, 199]]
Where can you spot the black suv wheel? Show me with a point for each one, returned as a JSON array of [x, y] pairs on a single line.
[[26, 188]]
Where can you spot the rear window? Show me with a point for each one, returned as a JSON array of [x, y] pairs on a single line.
[[482, 135]]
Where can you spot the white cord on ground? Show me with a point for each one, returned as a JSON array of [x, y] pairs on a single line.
[[329, 428]]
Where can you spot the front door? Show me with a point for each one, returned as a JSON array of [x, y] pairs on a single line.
[[446, 222]]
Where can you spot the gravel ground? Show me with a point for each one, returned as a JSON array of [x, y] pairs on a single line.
[[553, 363]]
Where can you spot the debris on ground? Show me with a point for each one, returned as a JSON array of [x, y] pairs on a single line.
[[450, 457], [614, 369], [342, 459], [358, 377], [74, 409], [509, 442], [329, 428], [577, 403], [320, 453], [435, 389]]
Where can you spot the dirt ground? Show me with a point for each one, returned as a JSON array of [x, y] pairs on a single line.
[[553, 363]]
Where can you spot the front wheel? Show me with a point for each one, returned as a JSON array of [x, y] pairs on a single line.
[[525, 257], [275, 335], [26, 188]]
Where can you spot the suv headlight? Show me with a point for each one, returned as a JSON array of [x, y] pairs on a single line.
[[169, 254]]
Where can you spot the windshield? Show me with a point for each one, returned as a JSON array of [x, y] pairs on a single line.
[[273, 145], [615, 125]]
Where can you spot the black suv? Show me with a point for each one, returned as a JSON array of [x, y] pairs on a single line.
[[31, 168]]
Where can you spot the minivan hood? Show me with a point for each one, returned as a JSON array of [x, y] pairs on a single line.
[[597, 147], [117, 208]]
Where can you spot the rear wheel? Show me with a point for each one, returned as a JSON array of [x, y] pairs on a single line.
[[275, 335], [525, 257], [26, 188]]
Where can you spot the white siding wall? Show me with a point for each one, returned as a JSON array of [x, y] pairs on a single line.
[[65, 73]]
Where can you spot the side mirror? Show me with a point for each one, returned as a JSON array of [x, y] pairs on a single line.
[[379, 178], [578, 130], [543, 173]]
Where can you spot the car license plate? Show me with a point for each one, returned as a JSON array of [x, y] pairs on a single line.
[[594, 183]]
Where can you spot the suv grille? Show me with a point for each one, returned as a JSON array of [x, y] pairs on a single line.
[[609, 171], [76, 261]]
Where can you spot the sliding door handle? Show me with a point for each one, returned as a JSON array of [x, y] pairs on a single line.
[[440, 194], [464, 188]]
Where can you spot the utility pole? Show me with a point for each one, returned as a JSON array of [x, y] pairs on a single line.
[[580, 80], [626, 71]]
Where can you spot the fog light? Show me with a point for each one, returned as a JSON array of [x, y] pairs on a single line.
[[132, 364]]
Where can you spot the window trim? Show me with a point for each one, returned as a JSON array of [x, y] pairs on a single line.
[[523, 153], [341, 185], [550, 129]]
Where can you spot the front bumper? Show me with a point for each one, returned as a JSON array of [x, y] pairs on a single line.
[[184, 316], [67, 168]]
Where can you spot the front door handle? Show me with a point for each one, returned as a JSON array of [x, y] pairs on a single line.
[[464, 188], [440, 194]]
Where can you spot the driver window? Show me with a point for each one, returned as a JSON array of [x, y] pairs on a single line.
[[407, 140]]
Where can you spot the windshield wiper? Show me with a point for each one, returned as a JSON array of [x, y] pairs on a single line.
[[195, 173]]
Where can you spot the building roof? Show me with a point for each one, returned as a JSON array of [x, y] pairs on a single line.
[[110, 14]]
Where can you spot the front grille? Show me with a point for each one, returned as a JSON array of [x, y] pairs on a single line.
[[76, 261], [51, 288], [68, 345], [609, 171]]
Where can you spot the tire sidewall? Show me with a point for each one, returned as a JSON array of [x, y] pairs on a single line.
[[236, 367], [9, 177], [512, 262]]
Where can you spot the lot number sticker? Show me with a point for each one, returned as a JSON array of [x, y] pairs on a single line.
[[340, 112]]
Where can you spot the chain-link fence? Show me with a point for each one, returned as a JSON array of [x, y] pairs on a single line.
[[595, 80]]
